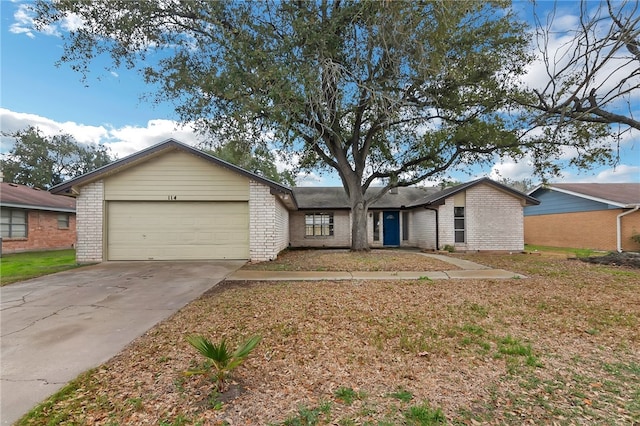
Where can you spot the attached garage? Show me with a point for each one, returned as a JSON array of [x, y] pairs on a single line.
[[141, 230], [174, 202]]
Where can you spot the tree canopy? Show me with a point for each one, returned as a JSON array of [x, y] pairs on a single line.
[[42, 161], [382, 92]]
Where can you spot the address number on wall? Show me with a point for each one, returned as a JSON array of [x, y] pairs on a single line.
[[172, 197]]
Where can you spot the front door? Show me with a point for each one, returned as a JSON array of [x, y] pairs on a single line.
[[391, 228]]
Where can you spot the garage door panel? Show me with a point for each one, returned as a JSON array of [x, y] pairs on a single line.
[[177, 231]]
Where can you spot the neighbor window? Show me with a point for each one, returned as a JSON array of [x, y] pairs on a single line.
[[405, 226], [14, 223], [63, 221], [458, 224], [318, 224]]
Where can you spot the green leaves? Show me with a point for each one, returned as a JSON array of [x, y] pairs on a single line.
[[44, 161], [222, 360]]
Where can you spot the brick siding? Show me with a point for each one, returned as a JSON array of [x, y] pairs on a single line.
[[268, 224], [341, 230], [90, 210], [594, 230], [494, 220], [43, 233]]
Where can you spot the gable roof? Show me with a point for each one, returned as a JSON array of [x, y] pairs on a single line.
[[26, 197], [406, 197], [616, 194], [438, 198], [335, 197], [117, 166]]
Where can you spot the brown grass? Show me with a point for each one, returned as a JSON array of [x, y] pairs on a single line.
[[344, 260], [559, 347]]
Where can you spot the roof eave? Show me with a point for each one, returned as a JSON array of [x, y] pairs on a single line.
[[38, 207], [71, 186]]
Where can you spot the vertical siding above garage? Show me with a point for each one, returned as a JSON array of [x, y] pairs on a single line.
[[181, 176]]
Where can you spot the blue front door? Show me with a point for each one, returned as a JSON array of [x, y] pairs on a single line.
[[391, 228]]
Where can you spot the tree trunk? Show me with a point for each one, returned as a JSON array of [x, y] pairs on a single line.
[[359, 240]]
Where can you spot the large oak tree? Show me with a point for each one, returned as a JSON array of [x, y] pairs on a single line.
[[389, 92]]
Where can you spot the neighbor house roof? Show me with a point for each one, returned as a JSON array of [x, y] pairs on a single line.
[[26, 197], [617, 194], [159, 149]]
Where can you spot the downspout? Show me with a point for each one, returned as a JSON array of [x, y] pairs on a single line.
[[619, 227], [437, 227]]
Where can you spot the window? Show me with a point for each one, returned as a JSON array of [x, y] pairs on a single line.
[[458, 224], [14, 223], [63, 221], [376, 225], [318, 224], [405, 226]]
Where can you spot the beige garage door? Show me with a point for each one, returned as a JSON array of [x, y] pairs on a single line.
[[177, 230]]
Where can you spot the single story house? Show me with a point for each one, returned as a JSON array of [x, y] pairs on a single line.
[[599, 216], [34, 219], [173, 202]]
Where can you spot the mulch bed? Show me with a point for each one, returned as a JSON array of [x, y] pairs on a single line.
[[627, 259]]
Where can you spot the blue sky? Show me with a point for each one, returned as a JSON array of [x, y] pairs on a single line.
[[108, 109]]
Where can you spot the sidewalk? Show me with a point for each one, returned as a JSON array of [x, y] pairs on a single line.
[[468, 270]]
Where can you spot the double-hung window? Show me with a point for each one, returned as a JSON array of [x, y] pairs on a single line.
[[318, 224], [14, 223], [458, 224], [63, 221]]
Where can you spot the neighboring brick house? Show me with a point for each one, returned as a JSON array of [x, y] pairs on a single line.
[[174, 202], [34, 219], [598, 216]]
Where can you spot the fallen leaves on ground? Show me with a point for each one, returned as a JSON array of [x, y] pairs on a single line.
[[559, 347], [345, 260]]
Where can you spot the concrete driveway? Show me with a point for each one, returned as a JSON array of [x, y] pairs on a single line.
[[55, 327]]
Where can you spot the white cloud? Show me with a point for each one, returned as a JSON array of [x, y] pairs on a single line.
[[23, 21], [620, 174], [122, 141], [512, 170]]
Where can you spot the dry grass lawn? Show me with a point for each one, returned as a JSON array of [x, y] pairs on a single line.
[[560, 347], [344, 260]]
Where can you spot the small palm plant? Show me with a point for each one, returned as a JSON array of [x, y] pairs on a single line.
[[220, 359]]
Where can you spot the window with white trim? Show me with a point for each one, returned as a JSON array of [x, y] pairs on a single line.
[[13, 223], [318, 224], [458, 224]]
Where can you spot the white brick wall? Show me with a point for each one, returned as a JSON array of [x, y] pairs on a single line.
[[422, 229], [494, 220], [268, 223], [89, 223], [445, 227]]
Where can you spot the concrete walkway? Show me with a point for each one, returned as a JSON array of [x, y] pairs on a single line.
[[468, 270]]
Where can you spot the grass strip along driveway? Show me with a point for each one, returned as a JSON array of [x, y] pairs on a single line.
[[561, 346], [23, 266]]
